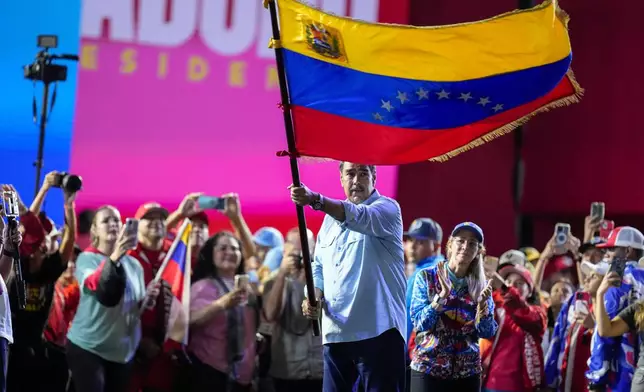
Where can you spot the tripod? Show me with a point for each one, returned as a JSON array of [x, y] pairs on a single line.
[[42, 126]]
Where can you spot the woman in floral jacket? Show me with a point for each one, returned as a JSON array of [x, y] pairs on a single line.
[[451, 308]]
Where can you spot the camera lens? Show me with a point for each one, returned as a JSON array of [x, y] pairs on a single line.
[[72, 183], [560, 239]]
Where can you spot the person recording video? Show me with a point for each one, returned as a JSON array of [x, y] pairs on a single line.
[[11, 238], [40, 270], [297, 363]]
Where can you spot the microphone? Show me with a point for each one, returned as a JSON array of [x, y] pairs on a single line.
[[10, 199]]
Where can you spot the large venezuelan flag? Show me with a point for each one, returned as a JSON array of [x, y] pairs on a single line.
[[176, 273], [391, 94]]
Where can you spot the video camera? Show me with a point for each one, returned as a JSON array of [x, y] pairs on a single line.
[[43, 69]]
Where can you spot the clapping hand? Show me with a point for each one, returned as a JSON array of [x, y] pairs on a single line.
[[486, 293], [444, 280]]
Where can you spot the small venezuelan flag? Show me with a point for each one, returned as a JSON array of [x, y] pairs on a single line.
[[177, 274], [392, 94]]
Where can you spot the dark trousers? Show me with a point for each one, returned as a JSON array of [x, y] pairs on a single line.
[[421, 382], [373, 365], [206, 379], [45, 360], [4, 359], [297, 385], [91, 373]]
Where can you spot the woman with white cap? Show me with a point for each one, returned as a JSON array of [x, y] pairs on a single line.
[[451, 308]]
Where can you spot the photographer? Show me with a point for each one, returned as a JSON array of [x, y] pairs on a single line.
[[10, 239], [40, 270], [296, 354]]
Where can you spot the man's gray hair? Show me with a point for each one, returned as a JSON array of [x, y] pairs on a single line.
[[372, 168]]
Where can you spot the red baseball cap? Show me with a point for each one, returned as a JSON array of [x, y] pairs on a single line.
[[522, 271], [34, 234], [149, 208], [200, 216], [624, 237]]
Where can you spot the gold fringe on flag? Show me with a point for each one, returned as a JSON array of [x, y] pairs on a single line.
[[488, 137]]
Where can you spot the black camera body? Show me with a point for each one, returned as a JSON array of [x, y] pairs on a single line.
[[43, 69], [69, 182]]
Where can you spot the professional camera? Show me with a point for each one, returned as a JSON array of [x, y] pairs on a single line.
[[43, 69], [69, 182]]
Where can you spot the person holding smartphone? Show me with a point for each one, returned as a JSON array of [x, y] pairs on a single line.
[[625, 244], [513, 359], [570, 347], [106, 329], [629, 320], [9, 240]]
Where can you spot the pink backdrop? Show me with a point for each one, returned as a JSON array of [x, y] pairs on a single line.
[[181, 97]]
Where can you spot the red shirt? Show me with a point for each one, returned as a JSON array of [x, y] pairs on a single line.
[[150, 261]]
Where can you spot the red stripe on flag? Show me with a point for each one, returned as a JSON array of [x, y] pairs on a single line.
[[173, 275], [320, 134]]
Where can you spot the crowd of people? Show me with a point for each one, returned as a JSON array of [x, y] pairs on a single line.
[[399, 310]]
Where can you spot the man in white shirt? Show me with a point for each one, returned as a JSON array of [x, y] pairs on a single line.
[[11, 238], [359, 276]]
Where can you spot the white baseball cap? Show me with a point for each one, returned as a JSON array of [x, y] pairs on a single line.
[[513, 257], [624, 237]]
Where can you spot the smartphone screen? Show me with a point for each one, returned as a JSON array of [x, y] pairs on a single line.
[[241, 281], [211, 203], [597, 210], [581, 302]]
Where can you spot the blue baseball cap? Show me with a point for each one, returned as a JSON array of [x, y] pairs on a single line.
[[425, 229], [472, 227], [269, 237]]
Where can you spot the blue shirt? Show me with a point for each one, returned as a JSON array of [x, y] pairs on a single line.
[[424, 263], [359, 265], [111, 333]]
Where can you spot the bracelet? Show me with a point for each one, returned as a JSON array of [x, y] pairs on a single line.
[[7, 252]]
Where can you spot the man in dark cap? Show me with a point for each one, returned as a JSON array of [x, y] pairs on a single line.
[[426, 236]]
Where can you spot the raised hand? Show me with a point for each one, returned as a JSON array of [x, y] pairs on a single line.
[[189, 206], [487, 292], [445, 282], [232, 208], [127, 240]]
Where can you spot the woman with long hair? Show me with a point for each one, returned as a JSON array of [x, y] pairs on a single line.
[[451, 308], [223, 319], [631, 319], [106, 328], [513, 358]]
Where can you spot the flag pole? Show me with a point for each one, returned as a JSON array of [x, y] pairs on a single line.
[[292, 152]]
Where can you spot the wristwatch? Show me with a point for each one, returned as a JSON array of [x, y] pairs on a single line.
[[318, 204], [439, 300]]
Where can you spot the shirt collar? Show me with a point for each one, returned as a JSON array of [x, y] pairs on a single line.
[[375, 195]]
